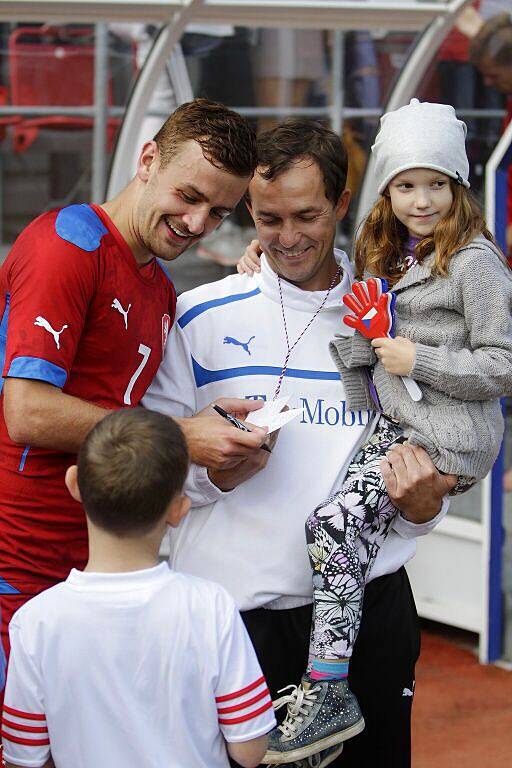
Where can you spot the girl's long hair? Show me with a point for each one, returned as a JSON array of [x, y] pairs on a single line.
[[379, 246]]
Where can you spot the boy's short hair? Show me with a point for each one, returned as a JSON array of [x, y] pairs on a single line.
[[130, 467], [297, 139], [225, 137]]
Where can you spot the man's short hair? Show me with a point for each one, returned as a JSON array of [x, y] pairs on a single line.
[[226, 138], [494, 39], [130, 467], [294, 140]]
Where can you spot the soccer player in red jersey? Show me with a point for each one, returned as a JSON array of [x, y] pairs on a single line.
[[85, 310]]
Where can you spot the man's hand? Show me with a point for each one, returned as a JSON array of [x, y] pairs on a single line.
[[227, 479], [397, 355], [215, 443], [413, 483]]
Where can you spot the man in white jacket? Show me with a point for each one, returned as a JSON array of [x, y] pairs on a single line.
[[254, 337]]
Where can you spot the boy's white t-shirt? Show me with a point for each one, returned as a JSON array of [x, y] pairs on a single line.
[[150, 668]]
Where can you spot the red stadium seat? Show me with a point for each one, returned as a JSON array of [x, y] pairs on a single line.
[[51, 66], [7, 119]]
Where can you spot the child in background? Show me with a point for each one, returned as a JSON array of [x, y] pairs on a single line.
[[426, 236], [127, 664]]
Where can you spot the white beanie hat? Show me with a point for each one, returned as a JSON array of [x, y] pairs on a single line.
[[421, 135]]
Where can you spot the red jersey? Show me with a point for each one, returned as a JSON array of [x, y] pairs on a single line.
[[79, 313]]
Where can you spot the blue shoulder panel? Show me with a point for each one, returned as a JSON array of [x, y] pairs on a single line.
[[80, 226]]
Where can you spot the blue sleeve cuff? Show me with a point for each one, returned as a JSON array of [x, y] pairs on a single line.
[[36, 368]]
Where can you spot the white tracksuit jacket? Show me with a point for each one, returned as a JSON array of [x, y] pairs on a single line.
[[229, 341]]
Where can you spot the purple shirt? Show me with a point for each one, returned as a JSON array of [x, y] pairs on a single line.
[[408, 258]]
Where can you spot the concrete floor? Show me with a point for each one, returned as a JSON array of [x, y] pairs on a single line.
[[462, 714]]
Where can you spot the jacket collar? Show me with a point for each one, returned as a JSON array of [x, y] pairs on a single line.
[[306, 301]]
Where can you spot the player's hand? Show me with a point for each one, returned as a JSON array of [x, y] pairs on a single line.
[[413, 483], [372, 306], [215, 443], [250, 261], [227, 479], [397, 355]]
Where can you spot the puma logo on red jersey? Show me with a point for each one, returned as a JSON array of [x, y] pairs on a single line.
[[116, 304], [43, 323]]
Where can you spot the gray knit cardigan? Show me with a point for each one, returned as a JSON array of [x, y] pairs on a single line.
[[462, 327]]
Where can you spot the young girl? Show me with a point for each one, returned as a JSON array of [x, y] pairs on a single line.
[[426, 237]]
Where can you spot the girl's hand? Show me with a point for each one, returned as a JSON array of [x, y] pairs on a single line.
[[250, 261], [397, 355]]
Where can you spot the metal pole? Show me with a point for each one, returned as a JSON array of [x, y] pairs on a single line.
[[307, 14], [338, 81], [349, 113], [99, 139], [178, 76], [139, 101]]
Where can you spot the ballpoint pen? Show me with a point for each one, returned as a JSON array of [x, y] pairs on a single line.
[[238, 424]]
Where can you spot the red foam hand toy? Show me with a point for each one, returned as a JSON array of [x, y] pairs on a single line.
[[372, 306]]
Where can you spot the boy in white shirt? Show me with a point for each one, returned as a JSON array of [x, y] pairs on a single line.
[[127, 663]]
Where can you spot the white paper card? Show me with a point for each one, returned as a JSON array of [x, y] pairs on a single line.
[[272, 415], [283, 418]]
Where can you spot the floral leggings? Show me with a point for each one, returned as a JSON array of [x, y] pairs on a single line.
[[343, 537]]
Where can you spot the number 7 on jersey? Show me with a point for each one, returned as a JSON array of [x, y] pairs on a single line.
[[145, 352]]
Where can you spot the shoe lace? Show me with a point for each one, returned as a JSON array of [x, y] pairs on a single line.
[[299, 703]]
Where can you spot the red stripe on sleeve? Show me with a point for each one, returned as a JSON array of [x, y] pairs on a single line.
[[24, 728], [25, 742], [244, 704], [241, 692], [244, 718], [25, 715]]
